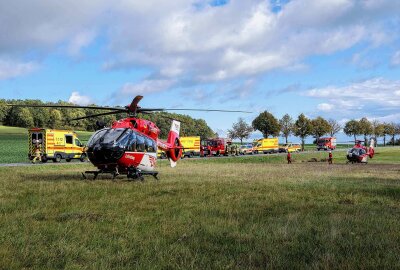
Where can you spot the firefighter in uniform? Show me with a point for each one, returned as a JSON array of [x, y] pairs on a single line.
[[289, 157], [37, 153], [330, 157]]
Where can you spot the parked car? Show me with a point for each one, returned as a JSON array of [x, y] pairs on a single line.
[[289, 147], [246, 149]]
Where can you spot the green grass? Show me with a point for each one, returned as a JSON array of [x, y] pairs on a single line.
[[204, 214], [14, 144]]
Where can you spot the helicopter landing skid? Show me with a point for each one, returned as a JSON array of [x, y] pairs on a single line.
[[132, 173], [114, 174], [136, 174]]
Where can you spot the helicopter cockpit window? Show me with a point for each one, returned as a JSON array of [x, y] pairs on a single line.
[[96, 136], [132, 142], [140, 146], [150, 145], [124, 138], [113, 135]]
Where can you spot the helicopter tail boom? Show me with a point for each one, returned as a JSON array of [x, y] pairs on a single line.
[[172, 147], [371, 150]]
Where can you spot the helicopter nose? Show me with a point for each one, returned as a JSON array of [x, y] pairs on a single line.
[[105, 154]]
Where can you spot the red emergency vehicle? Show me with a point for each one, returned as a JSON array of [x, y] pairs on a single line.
[[215, 146], [326, 143]]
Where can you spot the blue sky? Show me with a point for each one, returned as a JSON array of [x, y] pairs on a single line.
[[336, 58]]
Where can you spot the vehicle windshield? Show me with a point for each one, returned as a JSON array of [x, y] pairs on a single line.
[[96, 136], [357, 151], [124, 138], [113, 135]]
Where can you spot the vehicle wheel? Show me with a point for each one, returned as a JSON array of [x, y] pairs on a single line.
[[68, 160], [190, 155], [83, 158], [57, 158], [44, 160]]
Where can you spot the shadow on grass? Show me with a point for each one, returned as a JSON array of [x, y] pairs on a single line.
[[77, 176]]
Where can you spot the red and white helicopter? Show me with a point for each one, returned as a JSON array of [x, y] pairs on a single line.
[[130, 145], [359, 153]]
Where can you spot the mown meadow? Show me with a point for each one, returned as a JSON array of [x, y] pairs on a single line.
[[247, 213]]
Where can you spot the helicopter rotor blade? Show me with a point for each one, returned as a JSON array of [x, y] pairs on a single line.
[[195, 110], [134, 105], [98, 114], [67, 107]]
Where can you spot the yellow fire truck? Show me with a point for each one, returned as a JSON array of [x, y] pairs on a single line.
[[55, 145], [266, 145], [191, 146]]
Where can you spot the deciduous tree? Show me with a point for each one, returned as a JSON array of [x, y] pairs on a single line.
[[286, 123], [352, 128], [302, 128], [334, 127], [267, 124], [320, 127], [240, 130], [365, 128]]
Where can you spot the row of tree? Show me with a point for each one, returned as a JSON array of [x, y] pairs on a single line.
[[372, 128], [304, 127], [61, 118], [265, 122]]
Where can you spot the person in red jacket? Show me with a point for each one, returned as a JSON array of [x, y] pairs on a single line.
[[289, 158], [330, 157]]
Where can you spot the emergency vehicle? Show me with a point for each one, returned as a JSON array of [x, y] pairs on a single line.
[[55, 145], [191, 146], [215, 146], [266, 145], [326, 143], [246, 149], [290, 147]]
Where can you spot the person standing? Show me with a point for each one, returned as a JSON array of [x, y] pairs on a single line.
[[330, 157], [37, 153], [289, 157]]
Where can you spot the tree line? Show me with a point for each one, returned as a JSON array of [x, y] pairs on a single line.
[[61, 118], [304, 127]]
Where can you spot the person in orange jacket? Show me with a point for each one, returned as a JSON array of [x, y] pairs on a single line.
[[289, 158], [330, 157]]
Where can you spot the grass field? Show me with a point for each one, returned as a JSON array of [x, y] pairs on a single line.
[[14, 144], [223, 213]]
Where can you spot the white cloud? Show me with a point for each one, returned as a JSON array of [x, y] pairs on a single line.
[[372, 96], [145, 87], [11, 69], [193, 40], [44, 24], [79, 41], [77, 98], [396, 58], [241, 38], [391, 118], [325, 107]]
